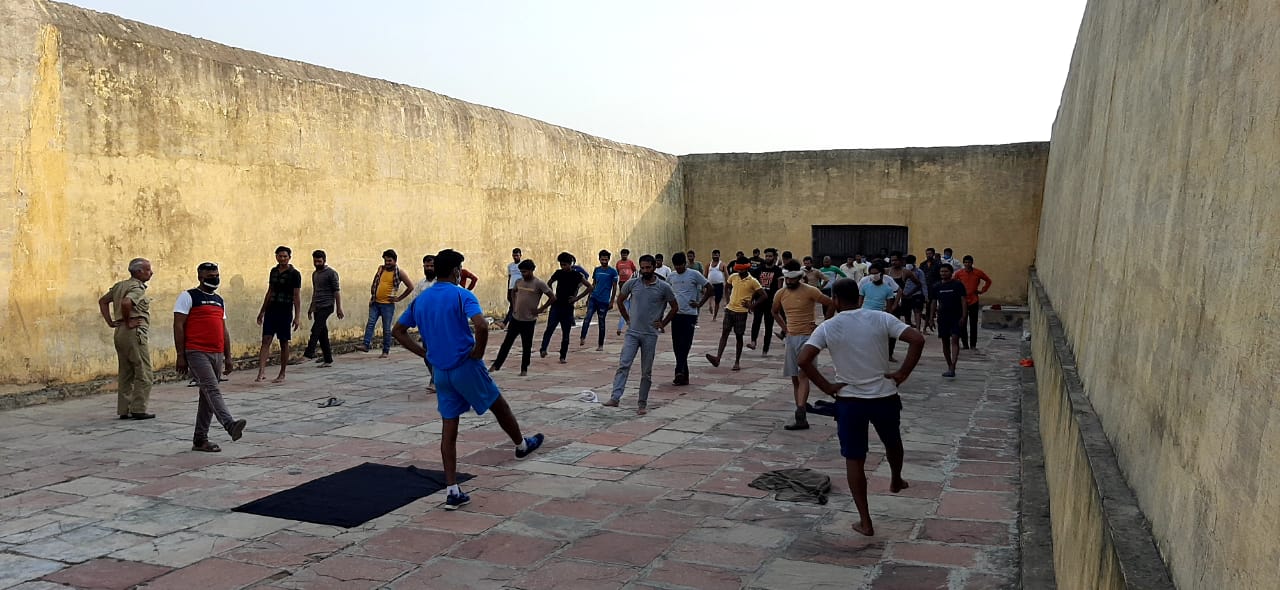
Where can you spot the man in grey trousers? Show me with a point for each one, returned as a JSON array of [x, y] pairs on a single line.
[[204, 348], [648, 297]]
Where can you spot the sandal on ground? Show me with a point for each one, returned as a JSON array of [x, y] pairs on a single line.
[[206, 447]]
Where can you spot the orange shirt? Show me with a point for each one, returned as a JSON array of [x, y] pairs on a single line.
[[970, 278]]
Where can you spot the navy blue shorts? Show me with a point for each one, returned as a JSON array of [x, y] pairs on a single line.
[[278, 323], [854, 414], [465, 387], [717, 290], [949, 326]]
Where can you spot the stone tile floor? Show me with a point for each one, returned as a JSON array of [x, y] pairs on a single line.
[[613, 500]]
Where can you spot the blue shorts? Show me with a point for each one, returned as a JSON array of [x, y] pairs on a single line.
[[854, 414], [465, 387]]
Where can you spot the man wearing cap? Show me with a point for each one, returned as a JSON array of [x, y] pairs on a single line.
[[204, 349], [796, 300], [127, 308], [743, 295]]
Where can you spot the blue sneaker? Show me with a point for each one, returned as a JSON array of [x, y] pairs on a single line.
[[531, 444], [456, 501]]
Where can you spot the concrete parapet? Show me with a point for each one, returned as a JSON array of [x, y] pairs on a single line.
[[1101, 538]]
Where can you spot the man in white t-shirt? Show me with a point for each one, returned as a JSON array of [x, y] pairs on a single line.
[[865, 388], [855, 267], [513, 275]]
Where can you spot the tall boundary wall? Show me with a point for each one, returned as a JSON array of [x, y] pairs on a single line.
[[119, 139], [982, 200], [1159, 242]]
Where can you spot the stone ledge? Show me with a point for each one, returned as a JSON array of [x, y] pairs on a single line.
[[1109, 535], [1035, 541]]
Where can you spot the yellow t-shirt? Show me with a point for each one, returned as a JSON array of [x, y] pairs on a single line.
[[386, 286], [741, 292]]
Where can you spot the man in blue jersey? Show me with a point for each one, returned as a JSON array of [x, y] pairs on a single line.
[[442, 314], [604, 291]]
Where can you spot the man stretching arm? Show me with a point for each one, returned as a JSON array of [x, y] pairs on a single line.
[[446, 316]]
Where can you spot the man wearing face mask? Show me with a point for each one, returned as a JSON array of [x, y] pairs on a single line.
[[204, 348], [878, 292], [325, 298], [649, 296], [793, 310]]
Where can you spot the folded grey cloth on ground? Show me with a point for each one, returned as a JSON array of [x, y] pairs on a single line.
[[795, 485]]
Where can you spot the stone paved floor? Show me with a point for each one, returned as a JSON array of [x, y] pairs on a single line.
[[613, 500]]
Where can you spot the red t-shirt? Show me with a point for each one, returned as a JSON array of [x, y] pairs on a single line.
[[970, 280], [626, 268], [206, 320]]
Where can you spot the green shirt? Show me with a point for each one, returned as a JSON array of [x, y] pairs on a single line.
[[135, 291], [831, 272]]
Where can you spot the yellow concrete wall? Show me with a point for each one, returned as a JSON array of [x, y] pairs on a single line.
[[1159, 243], [1084, 555], [978, 200], [120, 140]]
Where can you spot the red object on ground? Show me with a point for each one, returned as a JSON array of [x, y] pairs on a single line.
[[1027, 362]]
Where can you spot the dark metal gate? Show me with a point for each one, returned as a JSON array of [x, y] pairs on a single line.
[[841, 241]]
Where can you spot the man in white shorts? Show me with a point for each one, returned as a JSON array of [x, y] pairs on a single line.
[[796, 300]]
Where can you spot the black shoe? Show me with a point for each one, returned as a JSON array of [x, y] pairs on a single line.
[[141, 416], [309, 355], [236, 430], [801, 423], [124, 416], [681, 379]]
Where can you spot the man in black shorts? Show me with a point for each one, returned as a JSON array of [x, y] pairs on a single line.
[[280, 312], [865, 390], [948, 295], [744, 295]]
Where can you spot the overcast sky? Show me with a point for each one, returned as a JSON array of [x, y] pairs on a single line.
[[689, 76]]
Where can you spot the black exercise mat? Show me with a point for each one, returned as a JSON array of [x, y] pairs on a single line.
[[351, 497]]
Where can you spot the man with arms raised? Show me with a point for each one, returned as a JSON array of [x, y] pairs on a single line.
[[866, 392], [442, 314]]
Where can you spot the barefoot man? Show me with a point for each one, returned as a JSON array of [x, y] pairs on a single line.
[[865, 391], [280, 313], [744, 294]]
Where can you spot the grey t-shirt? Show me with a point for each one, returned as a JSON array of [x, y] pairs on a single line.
[[324, 283], [648, 303], [687, 286]]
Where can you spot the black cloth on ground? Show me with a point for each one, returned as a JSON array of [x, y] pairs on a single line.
[[351, 497]]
